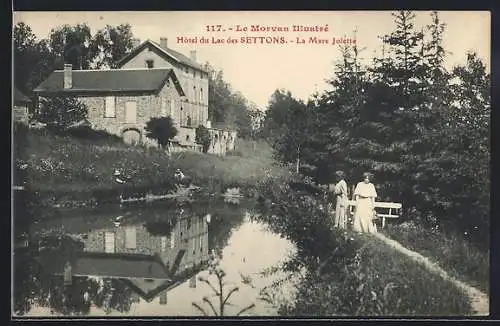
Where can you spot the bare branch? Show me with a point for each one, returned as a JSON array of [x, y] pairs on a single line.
[[200, 309], [205, 299], [245, 309], [236, 289], [211, 286]]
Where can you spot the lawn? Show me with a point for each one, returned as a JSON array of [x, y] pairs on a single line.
[[453, 252], [74, 169], [381, 282]]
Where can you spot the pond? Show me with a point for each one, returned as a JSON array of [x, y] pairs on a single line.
[[162, 259]]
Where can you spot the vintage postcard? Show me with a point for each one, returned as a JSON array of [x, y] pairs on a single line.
[[251, 163]]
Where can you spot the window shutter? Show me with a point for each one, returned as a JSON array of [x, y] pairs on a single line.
[[163, 106], [110, 111]]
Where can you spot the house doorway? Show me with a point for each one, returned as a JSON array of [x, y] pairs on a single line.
[[131, 136]]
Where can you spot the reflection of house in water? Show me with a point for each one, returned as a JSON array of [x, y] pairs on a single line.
[[149, 264]]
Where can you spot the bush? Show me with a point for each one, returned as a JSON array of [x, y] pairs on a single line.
[[203, 137], [60, 112], [161, 129]]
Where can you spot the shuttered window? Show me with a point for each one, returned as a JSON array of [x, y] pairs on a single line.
[[130, 237], [109, 242], [163, 106], [110, 111]]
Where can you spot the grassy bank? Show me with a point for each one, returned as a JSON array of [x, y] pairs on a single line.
[[67, 170], [379, 282], [453, 252]]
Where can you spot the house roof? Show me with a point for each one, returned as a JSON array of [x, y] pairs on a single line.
[[177, 280], [105, 81], [106, 265], [177, 56], [20, 97]]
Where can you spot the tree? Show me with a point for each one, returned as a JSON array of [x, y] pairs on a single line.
[[110, 44], [203, 137], [161, 129], [33, 60], [225, 105], [60, 112], [459, 170], [73, 43], [287, 122]]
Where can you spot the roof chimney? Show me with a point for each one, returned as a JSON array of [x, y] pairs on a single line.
[[164, 42], [68, 75], [192, 55], [135, 42]]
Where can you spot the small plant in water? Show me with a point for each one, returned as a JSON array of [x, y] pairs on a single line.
[[220, 292]]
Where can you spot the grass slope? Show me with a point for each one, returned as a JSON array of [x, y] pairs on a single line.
[[452, 252]]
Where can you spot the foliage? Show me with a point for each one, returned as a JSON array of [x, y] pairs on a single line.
[[203, 137], [288, 122], [423, 130], [348, 274], [73, 44], [110, 45], [226, 106], [161, 129], [33, 286], [34, 60], [62, 168], [59, 112]]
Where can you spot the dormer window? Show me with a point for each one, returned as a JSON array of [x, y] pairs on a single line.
[[150, 64]]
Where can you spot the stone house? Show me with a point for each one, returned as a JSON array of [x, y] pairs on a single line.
[[120, 101], [20, 108], [152, 80], [194, 80], [192, 77], [149, 264]]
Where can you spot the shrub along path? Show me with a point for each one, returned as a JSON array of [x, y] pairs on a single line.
[[479, 300]]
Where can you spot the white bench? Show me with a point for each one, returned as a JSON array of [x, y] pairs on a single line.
[[385, 205]]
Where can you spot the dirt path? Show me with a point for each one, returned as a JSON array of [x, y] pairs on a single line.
[[479, 300]]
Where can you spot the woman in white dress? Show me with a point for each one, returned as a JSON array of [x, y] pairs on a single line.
[[365, 195], [341, 201]]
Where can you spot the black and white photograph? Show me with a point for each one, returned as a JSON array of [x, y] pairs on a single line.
[[287, 164]]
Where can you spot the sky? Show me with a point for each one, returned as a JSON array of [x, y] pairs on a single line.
[[256, 70]]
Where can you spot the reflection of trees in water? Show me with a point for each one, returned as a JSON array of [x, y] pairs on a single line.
[[33, 286], [225, 218]]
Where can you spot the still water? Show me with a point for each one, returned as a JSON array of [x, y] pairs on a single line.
[[151, 261]]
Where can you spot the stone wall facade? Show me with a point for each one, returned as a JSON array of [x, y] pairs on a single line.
[[223, 141], [190, 234], [166, 103], [194, 83]]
